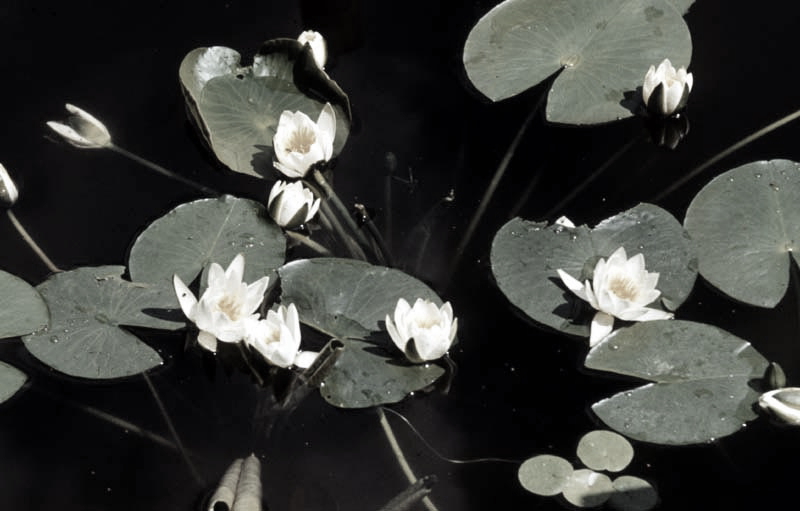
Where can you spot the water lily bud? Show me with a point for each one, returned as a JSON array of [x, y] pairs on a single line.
[[666, 90], [774, 376], [783, 404], [82, 130], [300, 142], [423, 332], [8, 190], [318, 46], [291, 204]]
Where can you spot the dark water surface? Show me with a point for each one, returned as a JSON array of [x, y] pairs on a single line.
[[518, 391]]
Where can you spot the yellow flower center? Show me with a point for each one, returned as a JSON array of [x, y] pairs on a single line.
[[301, 140], [229, 306], [623, 287]]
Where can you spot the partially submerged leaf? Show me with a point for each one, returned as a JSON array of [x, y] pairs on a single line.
[[587, 488], [88, 306], [745, 225], [525, 256], [633, 494], [11, 380], [703, 381], [602, 50], [193, 235], [22, 309]]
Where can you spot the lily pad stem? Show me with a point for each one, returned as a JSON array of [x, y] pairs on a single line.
[[305, 240], [411, 495], [31, 243], [246, 359], [382, 251], [332, 223], [400, 457], [165, 172]]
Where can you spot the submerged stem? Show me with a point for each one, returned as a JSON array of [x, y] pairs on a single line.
[[411, 495], [163, 171], [31, 243]]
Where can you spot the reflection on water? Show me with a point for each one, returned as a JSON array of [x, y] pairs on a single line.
[[421, 153]]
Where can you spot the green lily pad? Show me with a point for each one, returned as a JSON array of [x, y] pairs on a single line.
[[346, 298], [525, 256], [22, 309], [587, 488], [237, 107], [545, 474], [682, 6], [368, 375], [702, 378], [11, 380], [746, 227], [600, 50], [88, 306], [190, 237], [605, 450]]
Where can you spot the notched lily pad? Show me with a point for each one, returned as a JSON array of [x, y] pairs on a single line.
[[190, 237], [525, 256], [11, 380], [237, 107], [22, 309], [545, 474], [88, 306], [601, 51], [605, 450], [703, 381], [746, 226]]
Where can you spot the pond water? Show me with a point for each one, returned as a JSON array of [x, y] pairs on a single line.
[[518, 390]]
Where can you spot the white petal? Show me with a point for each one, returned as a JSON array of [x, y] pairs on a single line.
[[398, 340], [643, 314], [186, 298], [572, 284], [255, 294], [431, 344], [602, 325], [208, 341], [8, 189], [304, 359], [293, 321], [235, 270]]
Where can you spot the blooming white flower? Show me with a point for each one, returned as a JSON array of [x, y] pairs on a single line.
[[783, 404], [277, 338], [318, 46], [291, 204], [226, 306], [300, 142], [666, 90], [423, 332], [8, 190], [621, 288], [83, 130]]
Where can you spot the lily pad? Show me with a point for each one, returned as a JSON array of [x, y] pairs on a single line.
[[22, 309], [605, 450], [633, 494], [193, 235], [545, 474], [600, 50], [11, 380], [369, 375], [746, 227], [346, 298], [525, 256], [587, 488], [237, 107], [88, 306], [702, 378]]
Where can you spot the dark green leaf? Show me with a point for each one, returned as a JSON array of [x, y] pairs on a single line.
[[11, 380], [22, 310]]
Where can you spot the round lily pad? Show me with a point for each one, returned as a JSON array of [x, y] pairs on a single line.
[[587, 488], [88, 308], [745, 225], [605, 450], [545, 474], [633, 494], [600, 50], [525, 256], [22, 309], [11, 380], [193, 235]]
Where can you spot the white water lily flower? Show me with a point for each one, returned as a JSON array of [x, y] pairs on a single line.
[[318, 46], [621, 288], [300, 142], [82, 130], [423, 332], [783, 404], [226, 306], [666, 90], [8, 190], [277, 338], [291, 204]]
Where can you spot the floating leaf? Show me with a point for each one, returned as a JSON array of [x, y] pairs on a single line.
[[346, 298], [633, 494], [22, 310], [193, 235], [746, 227], [237, 108], [602, 50], [545, 474], [87, 308], [525, 256], [369, 375], [605, 450], [702, 376], [587, 488], [11, 380]]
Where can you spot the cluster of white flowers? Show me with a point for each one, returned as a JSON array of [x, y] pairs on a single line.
[[226, 312]]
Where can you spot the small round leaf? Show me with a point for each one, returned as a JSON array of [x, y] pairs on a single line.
[[587, 488], [633, 494], [545, 474], [605, 450]]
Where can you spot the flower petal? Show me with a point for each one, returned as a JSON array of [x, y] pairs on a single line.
[[602, 325], [186, 298], [207, 340]]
